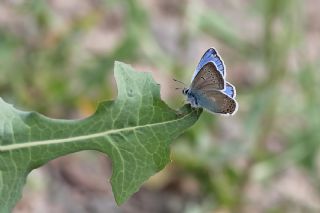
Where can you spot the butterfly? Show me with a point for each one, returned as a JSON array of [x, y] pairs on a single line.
[[209, 88]]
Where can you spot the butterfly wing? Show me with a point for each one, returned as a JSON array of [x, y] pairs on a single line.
[[216, 101], [208, 77], [211, 55], [208, 86], [230, 90]]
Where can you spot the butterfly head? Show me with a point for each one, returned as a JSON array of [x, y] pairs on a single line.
[[190, 97], [185, 91]]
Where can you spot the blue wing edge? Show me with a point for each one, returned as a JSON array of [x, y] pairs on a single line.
[[230, 90], [211, 55]]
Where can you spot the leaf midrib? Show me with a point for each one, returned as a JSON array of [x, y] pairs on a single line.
[[29, 144]]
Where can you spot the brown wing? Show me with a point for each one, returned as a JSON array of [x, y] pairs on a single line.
[[208, 77], [216, 101]]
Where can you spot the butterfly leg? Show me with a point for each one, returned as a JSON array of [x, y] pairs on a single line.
[[193, 101]]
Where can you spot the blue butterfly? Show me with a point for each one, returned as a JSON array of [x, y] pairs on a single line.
[[209, 89]]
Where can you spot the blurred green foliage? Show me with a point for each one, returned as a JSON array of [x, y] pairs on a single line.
[[44, 67]]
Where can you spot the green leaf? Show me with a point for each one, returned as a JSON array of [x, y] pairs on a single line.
[[135, 131]]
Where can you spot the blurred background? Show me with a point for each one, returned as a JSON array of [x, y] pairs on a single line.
[[57, 56]]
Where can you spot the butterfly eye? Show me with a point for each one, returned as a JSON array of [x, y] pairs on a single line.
[[185, 91]]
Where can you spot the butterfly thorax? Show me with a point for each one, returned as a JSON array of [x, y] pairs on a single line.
[[190, 97]]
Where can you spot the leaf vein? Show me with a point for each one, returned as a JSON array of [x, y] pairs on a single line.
[[85, 137]]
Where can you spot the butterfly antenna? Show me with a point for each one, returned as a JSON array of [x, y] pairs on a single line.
[[179, 81]]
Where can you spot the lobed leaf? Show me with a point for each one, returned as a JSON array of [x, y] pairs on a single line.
[[135, 131]]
